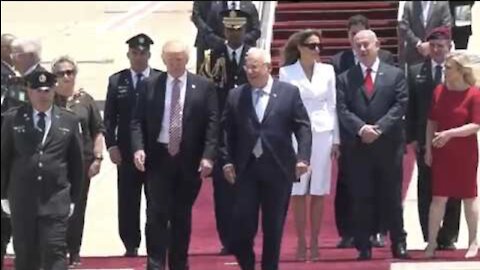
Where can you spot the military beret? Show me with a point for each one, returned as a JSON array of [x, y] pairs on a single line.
[[442, 32]]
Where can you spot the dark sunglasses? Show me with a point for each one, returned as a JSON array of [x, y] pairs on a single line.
[[68, 72], [312, 46]]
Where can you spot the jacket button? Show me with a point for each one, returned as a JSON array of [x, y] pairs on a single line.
[[39, 178], [41, 152], [40, 164]]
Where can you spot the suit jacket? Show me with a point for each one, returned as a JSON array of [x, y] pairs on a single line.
[[216, 38], [284, 115], [457, 30], [200, 12], [41, 179], [385, 108], [412, 25], [344, 60], [235, 76], [318, 95], [119, 105], [420, 86], [199, 121]]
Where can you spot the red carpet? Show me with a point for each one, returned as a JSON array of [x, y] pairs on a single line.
[[205, 245]]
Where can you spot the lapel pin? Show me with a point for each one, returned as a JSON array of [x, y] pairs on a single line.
[[274, 95], [193, 86]]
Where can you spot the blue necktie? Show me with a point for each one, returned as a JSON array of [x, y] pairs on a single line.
[[257, 149]]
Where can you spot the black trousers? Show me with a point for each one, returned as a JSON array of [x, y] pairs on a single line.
[[39, 242], [262, 186], [200, 57], [460, 36], [172, 191], [130, 183], [375, 174], [77, 221], [6, 234], [451, 222], [224, 199], [344, 203]]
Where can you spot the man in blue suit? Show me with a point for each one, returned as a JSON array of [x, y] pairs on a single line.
[[259, 160], [371, 102]]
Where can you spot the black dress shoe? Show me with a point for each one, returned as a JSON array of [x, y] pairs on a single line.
[[399, 251], [74, 259], [131, 252], [364, 255], [345, 242], [378, 240], [224, 252], [446, 246]]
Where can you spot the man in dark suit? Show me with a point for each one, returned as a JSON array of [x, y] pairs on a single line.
[[26, 55], [199, 17], [174, 140], [341, 62], [226, 70], [422, 80], [216, 38], [461, 12], [41, 174], [419, 18], [121, 98], [371, 101], [258, 157]]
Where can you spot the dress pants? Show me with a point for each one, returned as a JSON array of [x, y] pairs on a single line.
[[451, 222], [262, 186], [77, 221], [172, 191], [39, 242], [130, 182], [375, 174], [224, 198]]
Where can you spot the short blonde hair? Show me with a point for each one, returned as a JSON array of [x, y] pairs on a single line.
[[64, 58], [465, 66]]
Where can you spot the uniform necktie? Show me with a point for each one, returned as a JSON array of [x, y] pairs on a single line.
[[41, 124], [139, 78], [175, 129], [438, 75], [368, 83], [234, 60], [257, 149]]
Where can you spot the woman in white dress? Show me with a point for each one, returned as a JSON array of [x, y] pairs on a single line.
[[316, 81]]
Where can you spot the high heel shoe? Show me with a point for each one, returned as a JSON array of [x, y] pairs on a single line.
[[301, 254], [472, 250], [430, 251], [314, 254]]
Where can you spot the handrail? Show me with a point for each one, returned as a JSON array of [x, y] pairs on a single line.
[[266, 12]]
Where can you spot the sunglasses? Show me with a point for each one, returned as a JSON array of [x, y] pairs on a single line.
[[68, 72], [312, 46]]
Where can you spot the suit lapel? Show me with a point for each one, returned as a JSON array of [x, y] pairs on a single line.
[[271, 101], [247, 103], [157, 99], [30, 130], [55, 118], [358, 77], [189, 89], [378, 80]]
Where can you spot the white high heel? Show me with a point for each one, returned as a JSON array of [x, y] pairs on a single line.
[[472, 250]]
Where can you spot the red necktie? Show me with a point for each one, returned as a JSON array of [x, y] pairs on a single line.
[[368, 83]]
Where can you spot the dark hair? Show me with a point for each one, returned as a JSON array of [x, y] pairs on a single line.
[[290, 53], [358, 20]]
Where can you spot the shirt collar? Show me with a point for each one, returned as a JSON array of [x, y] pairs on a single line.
[[374, 67], [145, 73], [237, 51], [48, 113], [182, 78], [267, 89], [434, 64]]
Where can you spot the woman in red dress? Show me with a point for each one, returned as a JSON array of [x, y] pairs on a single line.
[[452, 149]]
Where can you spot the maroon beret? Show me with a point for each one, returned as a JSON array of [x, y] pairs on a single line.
[[442, 32]]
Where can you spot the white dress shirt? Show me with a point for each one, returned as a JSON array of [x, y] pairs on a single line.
[[238, 53], [133, 74], [164, 136], [264, 98], [48, 122], [426, 5]]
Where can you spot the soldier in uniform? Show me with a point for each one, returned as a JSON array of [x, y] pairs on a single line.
[[120, 102], [41, 172], [226, 70], [8, 72], [70, 96]]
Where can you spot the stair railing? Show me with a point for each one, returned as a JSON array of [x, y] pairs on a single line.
[[266, 13]]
